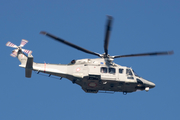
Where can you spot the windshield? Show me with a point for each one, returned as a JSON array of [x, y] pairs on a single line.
[[135, 73]]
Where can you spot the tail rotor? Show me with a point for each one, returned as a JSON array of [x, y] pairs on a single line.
[[14, 52], [26, 61]]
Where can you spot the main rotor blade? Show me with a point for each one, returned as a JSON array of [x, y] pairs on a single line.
[[70, 44], [108, 30], [146, 54]]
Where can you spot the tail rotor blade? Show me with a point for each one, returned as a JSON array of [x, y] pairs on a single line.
[[14, 53], [10, 44], [23, 42], [27, 51]]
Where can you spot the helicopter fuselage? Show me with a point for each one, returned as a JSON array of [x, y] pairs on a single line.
[[95, 75]]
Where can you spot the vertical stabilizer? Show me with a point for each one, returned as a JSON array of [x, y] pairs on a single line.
[[29, 66], [27, 63]]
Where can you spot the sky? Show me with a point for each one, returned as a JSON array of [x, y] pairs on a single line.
[[139, 26]]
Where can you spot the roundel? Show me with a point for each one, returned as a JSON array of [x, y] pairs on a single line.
[[78, 69]]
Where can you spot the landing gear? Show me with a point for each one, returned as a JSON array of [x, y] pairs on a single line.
[[74, 81], [124, 93]]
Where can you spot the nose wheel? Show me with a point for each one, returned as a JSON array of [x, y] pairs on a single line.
[[124, 93]]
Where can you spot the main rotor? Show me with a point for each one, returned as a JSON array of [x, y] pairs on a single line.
[[105, 55]]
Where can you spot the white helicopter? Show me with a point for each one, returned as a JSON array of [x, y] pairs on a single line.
[[93, 75]]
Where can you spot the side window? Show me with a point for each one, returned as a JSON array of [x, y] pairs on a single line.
[[128, 72], [103, 70], [112, 70], [121, 71]]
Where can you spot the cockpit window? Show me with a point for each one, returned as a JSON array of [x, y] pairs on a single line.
[[129, 72], [112, 70], [121, 71], [103, 70]]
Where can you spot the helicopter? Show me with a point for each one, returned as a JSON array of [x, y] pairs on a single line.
[[93, 75]]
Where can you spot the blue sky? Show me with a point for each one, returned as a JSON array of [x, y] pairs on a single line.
[[138, 27]]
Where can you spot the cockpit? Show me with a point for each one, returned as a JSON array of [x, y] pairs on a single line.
[[130, 72]]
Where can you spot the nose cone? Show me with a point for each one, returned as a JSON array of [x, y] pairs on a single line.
[[151, 85]]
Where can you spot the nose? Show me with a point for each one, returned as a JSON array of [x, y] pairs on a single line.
[[151, 85]]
